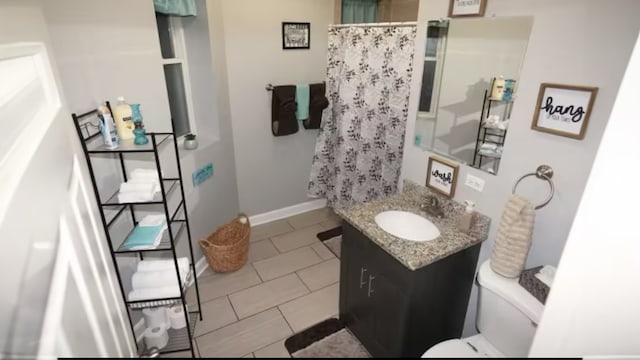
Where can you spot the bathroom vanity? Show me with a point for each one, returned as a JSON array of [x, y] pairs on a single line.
[[400, 297]]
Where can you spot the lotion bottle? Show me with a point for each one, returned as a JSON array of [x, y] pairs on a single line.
[[124, 120], [497, 89], [467, 218]]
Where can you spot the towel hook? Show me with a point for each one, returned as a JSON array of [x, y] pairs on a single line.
[[268, 87], [543, 172]]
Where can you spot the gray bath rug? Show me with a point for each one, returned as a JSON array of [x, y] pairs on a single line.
[[334, 245], [332, 238], [327, 339], [337, 345]]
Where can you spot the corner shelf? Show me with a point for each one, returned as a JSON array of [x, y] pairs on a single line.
[[177, 221], [490, 135]]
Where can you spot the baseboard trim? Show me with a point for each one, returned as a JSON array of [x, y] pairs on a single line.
[[287, 211], [138, 328]]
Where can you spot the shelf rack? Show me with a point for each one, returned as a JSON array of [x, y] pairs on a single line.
[[86, 125], [490, 135]]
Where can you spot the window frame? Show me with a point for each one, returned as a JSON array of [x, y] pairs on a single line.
[[180, 56], [439, 60]]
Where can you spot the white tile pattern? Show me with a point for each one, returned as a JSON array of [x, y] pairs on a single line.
[[289, 283], [267, 295], [311, 309], [286, 263]]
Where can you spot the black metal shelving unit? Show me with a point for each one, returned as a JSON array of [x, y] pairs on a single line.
[[490, 135], [177, 221]]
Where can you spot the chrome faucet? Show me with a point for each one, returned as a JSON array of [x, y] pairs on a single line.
[[432, 206]]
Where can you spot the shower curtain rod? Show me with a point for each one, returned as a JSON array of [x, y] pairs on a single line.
[[380, 24]]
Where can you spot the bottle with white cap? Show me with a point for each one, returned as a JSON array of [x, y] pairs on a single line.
[[468, 217], [124, 120]]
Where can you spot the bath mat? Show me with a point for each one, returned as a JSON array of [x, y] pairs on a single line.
[[328, 339], [332, 238]]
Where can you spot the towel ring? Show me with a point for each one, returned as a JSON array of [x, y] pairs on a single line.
[[543, 172]]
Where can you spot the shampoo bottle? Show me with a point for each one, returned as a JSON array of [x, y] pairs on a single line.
[[123, 119], [467, 218], [107, 129]]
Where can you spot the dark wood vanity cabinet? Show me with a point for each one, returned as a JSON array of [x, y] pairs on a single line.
[[396, 312]]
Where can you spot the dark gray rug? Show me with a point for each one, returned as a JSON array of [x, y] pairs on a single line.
[[328, 339], [332, 238]]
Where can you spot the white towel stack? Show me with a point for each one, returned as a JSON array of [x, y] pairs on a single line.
[[490, 149], [155, 279], [142, 185]]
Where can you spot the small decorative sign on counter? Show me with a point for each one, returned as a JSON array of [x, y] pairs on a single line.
[[442, 176], [564, 109]]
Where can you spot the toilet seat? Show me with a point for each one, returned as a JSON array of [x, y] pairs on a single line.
[[455, 348]]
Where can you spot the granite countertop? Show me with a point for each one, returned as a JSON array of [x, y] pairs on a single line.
[[415, 255]]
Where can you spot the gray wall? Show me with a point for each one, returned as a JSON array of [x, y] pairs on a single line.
[[107, 49], [272, 172], [574, 42]]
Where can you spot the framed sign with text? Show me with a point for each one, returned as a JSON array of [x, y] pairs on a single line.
[[461, 8], [564, 109], [442, 176]]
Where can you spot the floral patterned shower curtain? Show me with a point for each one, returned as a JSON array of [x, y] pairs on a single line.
[[358, 152]]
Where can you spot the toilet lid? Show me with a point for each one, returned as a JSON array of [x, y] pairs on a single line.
[[455, 348]]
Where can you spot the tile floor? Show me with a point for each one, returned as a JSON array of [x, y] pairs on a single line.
[[289, 283]]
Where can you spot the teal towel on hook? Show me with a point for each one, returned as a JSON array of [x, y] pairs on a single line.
[[302, 100], [176, 7]]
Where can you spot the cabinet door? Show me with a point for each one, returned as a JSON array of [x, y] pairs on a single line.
[[354, 304], [389, 302]]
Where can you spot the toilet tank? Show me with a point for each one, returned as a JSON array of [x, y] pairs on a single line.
[[507, 314]]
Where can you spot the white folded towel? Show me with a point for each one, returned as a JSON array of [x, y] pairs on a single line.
[[156, 279], [146, 182], [154, 293], [546, 274], [134, 197], [137, 187], [148, 174], [162, 264], [152, 220]]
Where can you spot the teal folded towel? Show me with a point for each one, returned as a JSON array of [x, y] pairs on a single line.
[[144, 237], [302, 99]]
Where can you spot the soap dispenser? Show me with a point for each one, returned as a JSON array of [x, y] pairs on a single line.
[[467, 218]]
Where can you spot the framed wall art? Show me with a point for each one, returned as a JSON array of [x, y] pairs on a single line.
[[296, 35], [462, 8], [442, 176], [564, 109]]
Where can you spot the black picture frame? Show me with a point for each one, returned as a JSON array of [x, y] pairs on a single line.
[[296, 35]]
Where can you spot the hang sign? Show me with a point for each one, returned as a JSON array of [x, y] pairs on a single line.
[[562, 112], [563, 109]]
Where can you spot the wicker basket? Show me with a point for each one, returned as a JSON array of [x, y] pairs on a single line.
[[226, 249]]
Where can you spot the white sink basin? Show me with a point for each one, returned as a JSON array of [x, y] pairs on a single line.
[[406, 225]]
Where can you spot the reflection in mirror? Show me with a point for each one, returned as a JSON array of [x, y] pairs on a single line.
[[459, 116]]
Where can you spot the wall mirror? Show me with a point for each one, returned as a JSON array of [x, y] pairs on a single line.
[[462, 114]]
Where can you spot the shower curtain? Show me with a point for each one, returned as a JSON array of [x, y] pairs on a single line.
[[358, 152]]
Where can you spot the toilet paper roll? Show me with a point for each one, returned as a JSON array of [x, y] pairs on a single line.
[[156, 337], [156, 316], [176, 317]]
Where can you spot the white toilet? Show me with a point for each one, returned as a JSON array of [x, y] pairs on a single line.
[[506, 319]]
